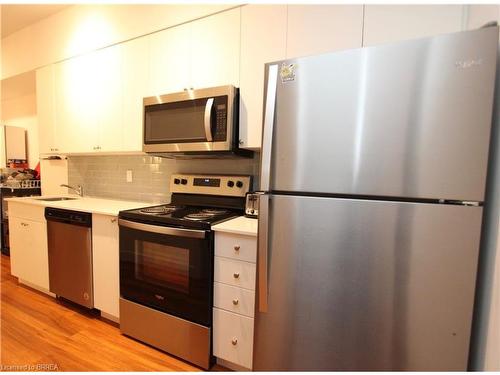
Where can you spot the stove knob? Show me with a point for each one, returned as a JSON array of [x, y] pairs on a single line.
[[230, 183], [239, 184], [177, 181], [184, 181]]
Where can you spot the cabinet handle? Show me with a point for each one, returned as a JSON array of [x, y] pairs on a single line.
[[235, 301], [113, 220], [234, 342], [24, 224], [236, 275], [236, 247]]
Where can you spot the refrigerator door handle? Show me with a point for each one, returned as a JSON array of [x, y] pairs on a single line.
[[263, 253], [267, 131]]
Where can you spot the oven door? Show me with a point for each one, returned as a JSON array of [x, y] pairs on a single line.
[[194, 120], [168, 269]]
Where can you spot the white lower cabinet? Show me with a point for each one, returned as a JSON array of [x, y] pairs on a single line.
[[28, 245], [105, 260], [233, 337], [235, 272], [234, 299], [237, 300], [236, 246]]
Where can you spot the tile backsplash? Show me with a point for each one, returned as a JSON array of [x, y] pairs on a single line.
[[105, 176]]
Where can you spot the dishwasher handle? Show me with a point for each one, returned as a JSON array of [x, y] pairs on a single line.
[[83, 219]]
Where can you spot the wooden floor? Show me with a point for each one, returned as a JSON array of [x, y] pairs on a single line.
[[39, 330]]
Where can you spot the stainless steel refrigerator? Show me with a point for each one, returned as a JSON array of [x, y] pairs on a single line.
[[373, 172]]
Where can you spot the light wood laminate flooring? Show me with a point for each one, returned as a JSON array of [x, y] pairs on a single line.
[[39, 330]]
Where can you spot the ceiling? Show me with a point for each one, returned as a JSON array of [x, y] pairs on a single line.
[[17, 16]]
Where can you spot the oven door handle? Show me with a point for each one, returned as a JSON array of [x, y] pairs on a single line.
[[208, 117], [192, 233]]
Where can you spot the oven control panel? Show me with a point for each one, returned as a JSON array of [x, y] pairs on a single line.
[[236, 186]]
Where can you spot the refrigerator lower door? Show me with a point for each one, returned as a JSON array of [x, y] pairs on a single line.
[[365, 285]]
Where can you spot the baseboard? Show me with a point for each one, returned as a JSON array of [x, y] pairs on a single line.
[[36, 287], [232, 366]]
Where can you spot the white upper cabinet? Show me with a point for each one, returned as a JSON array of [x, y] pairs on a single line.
[[77, 103], [316, 29], [215, 50], [199, 54], [169, 60], [135, 72], [391, 23], [263, 40], [109, 91], [45, 104], [88, 102]]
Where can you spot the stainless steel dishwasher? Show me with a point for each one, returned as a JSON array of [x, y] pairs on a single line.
[[69, 235]]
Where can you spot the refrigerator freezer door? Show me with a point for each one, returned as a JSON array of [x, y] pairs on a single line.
[[367, 285], [409, 119]]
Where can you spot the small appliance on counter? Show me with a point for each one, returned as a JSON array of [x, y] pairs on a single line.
[[167, 264], [252, 205]]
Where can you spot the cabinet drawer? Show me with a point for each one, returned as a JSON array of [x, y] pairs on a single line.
[[26, 211], [233, 337], [237, 300], [236, 273], [236, 246]]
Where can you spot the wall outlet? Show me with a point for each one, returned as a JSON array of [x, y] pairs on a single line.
[[129, 175]]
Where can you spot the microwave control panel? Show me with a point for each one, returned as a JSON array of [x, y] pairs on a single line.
[[220, 131]]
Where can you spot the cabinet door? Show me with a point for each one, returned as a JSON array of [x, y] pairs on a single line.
[[215, 50], [390, 23], [315, 29], [105, 260], [233, 337], [108, 92], [45, 107], [76, 103], [263, 39], [169, 60], [28, 251], [135, 70]]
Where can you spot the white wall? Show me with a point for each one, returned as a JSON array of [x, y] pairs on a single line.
[[82, 28]]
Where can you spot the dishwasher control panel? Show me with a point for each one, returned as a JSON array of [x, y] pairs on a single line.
[[68, 216]]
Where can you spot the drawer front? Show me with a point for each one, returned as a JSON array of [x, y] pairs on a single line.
[[234, 299], [236, 273], [236, 246], [233, 337], [26, 211]]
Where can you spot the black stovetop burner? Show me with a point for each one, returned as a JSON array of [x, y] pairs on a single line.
[[201, 217]]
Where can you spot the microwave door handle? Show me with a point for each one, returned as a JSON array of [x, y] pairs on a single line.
[[208, 117]]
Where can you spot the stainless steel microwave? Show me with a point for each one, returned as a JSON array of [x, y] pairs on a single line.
[[200, 121]]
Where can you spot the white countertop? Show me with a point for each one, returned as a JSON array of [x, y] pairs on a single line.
[[241, 225], [86, 204]]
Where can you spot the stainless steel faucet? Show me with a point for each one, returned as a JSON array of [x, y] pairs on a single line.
[[78, 189]]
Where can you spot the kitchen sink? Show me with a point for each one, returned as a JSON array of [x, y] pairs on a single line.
[[55, 199]]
